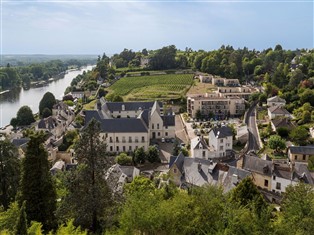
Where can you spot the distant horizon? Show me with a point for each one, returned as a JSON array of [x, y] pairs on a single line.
[[111, 54]]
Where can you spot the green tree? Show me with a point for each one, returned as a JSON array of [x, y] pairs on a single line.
[[14, 122], [277, 143], [124, 160], [139, 156], [9, 172], [25, 116], [48, 101], [299, 135], [46, 113], [8, 217], [21, 223], [152, 154], [37, 187], [89, 196], [297, 210]]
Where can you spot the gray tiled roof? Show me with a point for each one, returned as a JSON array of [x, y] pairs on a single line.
[[118, 125], [117, 106], [278, 110], [20, 142], [169, 120], [276, 99], [255, 164], [178, 161], [282, 122], [222, 132], [309, 150]]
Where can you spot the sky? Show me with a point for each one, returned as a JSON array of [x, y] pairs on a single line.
[[95, 27]]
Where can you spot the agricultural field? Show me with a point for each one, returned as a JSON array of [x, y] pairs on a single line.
[[161, 87]]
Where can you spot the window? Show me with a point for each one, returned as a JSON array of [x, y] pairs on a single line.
[[130, 148], [158, 133], [204, 153], [111, 148], [123, 139], [123, 148], [117, 148], [295, 157], [304, 156], [166, 127], [278, 186], [143, 139], [136, 139], [274, 177], [117, 139], [157, 125], [153, 126], [166, 133], [130, 139], [110, 140], [222, 140], [266, 183], [221, 148], [175, 170]]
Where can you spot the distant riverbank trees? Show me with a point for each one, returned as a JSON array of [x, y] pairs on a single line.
[[15, 76]]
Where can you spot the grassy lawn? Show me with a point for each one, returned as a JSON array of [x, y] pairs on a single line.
[[161, 87], [90, 105], [201, 88]]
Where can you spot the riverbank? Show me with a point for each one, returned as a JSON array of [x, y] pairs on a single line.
[[11, 101]]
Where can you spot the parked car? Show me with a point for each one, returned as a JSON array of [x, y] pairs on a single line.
[[162, 140]]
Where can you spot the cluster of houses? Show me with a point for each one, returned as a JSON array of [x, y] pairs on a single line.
[[127, 126]]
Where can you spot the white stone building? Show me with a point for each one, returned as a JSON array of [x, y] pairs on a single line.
[[220, 141], [126, 126]]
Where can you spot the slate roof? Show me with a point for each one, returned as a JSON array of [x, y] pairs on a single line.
[[178, 161], [308, 150], [303, 173], [278, 110], [222, 132], [169, 120], [20, 142], [282, 122], [128, 106], [117, 125], [255, 164], [276, 99]]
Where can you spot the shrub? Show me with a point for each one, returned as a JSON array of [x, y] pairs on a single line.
[[124, 160]]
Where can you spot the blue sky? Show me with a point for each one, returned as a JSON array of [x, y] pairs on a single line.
[[94, 27]]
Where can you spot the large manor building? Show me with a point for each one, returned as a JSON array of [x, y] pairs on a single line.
[[126, 126]]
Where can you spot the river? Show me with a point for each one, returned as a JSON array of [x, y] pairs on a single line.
[[11, 101]]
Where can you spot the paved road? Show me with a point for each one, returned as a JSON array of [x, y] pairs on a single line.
[[253, 142]]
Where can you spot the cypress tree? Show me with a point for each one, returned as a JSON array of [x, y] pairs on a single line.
[[37, 187], [21, 224]]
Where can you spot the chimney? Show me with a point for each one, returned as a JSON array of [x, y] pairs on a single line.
[[234, 179], [199, 166]]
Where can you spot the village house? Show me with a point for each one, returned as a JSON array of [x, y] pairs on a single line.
[[281, 122], [200, 149], [276, 101], [220, 141], [126, 126], [186, 172], [278, 111], [117, 176], [276, 175], [300, 153]]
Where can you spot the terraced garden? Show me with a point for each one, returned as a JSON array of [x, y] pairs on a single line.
[[161, 87]]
